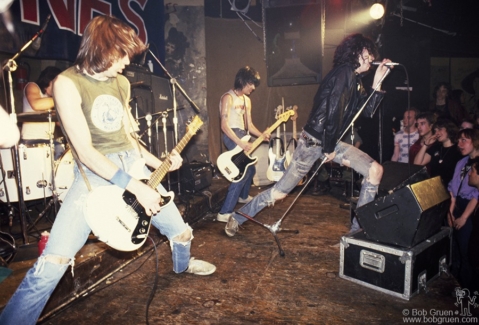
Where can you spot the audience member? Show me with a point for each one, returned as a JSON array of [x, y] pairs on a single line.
[[474, 240], [405, 138], [443, 106], [425, 122], [440, 151], [467, 123], [464, 199]]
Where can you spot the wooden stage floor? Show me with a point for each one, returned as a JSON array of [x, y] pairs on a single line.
[[253, 284]]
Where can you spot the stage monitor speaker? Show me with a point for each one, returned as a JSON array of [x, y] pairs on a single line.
[[293, 43], [408, 216], [397, 175]]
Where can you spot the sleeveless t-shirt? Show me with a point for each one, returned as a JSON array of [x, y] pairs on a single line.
[[103, 107], [236, 112]]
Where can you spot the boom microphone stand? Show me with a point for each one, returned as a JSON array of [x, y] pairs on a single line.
[[174, 85], [277, 225], [11, 66]]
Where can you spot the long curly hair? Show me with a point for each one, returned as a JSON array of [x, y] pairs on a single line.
[[351, 47]]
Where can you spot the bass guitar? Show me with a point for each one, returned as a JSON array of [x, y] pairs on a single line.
[[115, 215], [234, 163], [294, 142], [276, 167]]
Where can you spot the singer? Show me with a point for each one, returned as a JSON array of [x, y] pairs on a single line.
[[338, 99]]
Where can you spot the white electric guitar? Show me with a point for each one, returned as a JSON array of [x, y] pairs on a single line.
[[234, 163], [115, 215]]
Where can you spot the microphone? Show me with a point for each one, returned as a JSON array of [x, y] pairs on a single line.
[[37, 39], [143, 56], [389, 64]]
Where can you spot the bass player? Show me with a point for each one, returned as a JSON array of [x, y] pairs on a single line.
[[236, 123]]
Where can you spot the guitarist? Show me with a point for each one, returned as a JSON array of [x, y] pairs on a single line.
[[236, 122], [338, 99], [91, 98]]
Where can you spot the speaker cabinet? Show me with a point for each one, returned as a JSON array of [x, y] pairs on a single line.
[[408, 216], [293, 42], [151, 95], [194, 177]]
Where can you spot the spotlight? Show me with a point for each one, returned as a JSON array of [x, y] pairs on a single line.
[[376, 11]]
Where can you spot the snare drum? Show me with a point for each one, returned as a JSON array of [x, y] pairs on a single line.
[[35, 172], [64, 174]]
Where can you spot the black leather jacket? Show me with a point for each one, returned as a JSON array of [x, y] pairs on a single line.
[[339, 98]]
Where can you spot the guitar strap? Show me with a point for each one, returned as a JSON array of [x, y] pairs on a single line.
[[245, 120]]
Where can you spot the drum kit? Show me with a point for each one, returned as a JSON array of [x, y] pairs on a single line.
[[29, 171]]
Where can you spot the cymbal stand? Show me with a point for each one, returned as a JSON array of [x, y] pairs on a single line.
[[11, 66], [7, 195], [54, 200]]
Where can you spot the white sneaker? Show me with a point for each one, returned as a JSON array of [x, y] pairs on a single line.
[[247, 200], [200, 267], [223, 217]]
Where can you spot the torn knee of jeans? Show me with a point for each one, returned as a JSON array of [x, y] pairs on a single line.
[[61, 261], [275, 196], [184, 238]]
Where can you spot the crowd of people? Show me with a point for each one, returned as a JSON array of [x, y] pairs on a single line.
[[445, 139]]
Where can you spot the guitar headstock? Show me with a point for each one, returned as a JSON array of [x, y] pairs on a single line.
[[286, 115], [194, 125], [295, 110], [277, 111]]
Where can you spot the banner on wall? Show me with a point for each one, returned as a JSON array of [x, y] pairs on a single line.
[[62, 35]]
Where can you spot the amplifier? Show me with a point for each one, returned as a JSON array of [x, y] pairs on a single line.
[[194, 177]]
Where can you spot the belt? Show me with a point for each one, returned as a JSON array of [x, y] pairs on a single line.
[[310, 141]]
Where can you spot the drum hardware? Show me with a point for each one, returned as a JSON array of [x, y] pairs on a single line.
[[9, 67]]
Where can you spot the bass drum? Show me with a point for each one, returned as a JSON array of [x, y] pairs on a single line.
[[64, 174]]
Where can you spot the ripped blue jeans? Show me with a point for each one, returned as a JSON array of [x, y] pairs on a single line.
[[70, 232], [305, 155]]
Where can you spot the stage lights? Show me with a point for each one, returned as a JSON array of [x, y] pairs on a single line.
[[376, 11]]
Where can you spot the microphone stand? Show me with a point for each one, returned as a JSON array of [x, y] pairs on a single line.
[[11, 66], [175, 84], [277, 225]]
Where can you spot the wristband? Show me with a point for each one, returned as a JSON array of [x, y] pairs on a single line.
[[120, 179]]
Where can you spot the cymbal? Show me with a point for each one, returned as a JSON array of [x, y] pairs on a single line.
[[36, 116]]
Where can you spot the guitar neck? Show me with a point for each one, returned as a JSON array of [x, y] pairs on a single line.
[[295, 136], [158, 175], [260, 139]]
